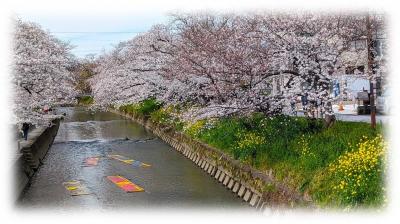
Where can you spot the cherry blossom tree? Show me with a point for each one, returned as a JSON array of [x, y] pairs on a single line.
[[83, 71], [233, 64], [308, 49], [132, 71], [41, 73], [237, 60], [242, 55]]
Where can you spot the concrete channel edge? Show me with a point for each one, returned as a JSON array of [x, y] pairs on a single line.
[[244, 181], [30, 155]]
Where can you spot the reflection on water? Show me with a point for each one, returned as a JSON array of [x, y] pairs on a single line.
[[73, 131], [171, 181], [81, 124], [82, 114]]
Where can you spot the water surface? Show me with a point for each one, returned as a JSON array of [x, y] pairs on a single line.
[[172, 181]]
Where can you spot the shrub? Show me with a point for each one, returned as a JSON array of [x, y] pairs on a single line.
[[147, 106], [165, 116], [143, 108], [160, 116], [86, 100]]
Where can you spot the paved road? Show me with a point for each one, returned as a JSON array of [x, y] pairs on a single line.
[[385, 119], [363, 118]]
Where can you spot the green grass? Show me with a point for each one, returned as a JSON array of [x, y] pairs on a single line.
[[164, 117], [86, 100], [143, 108], [297, 149]]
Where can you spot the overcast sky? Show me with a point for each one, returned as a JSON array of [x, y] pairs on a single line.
[[94, 25], [91, 33]]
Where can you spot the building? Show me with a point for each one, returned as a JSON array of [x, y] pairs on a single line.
[[354, 77]]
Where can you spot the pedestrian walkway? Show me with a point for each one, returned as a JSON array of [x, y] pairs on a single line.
[[349, 113], [362, 118]]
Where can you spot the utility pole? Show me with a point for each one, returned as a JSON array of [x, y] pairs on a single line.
[[370, 70]]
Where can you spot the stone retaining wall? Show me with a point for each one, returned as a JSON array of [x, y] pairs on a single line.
[[259, 189], [31, 153]]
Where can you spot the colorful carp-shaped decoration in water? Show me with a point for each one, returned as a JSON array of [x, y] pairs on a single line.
[[125, 184], [126, 160], [75, 188], [91, 161]]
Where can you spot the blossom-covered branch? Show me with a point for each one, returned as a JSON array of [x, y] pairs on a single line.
[[41, 73]]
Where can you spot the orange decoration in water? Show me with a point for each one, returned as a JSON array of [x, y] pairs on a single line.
[[125, 184]]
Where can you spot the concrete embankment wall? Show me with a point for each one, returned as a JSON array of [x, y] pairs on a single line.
[[259, 189], [31, 153]]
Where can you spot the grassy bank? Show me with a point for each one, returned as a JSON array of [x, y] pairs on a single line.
[[342, 166], [86, 100]]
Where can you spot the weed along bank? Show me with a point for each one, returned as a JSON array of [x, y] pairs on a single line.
[[276, 161], [253, 110], [257, 188]]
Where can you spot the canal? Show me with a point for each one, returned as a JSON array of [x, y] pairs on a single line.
[[172, 181]]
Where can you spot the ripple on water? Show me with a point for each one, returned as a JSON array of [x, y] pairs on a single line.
[[172, 179]]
